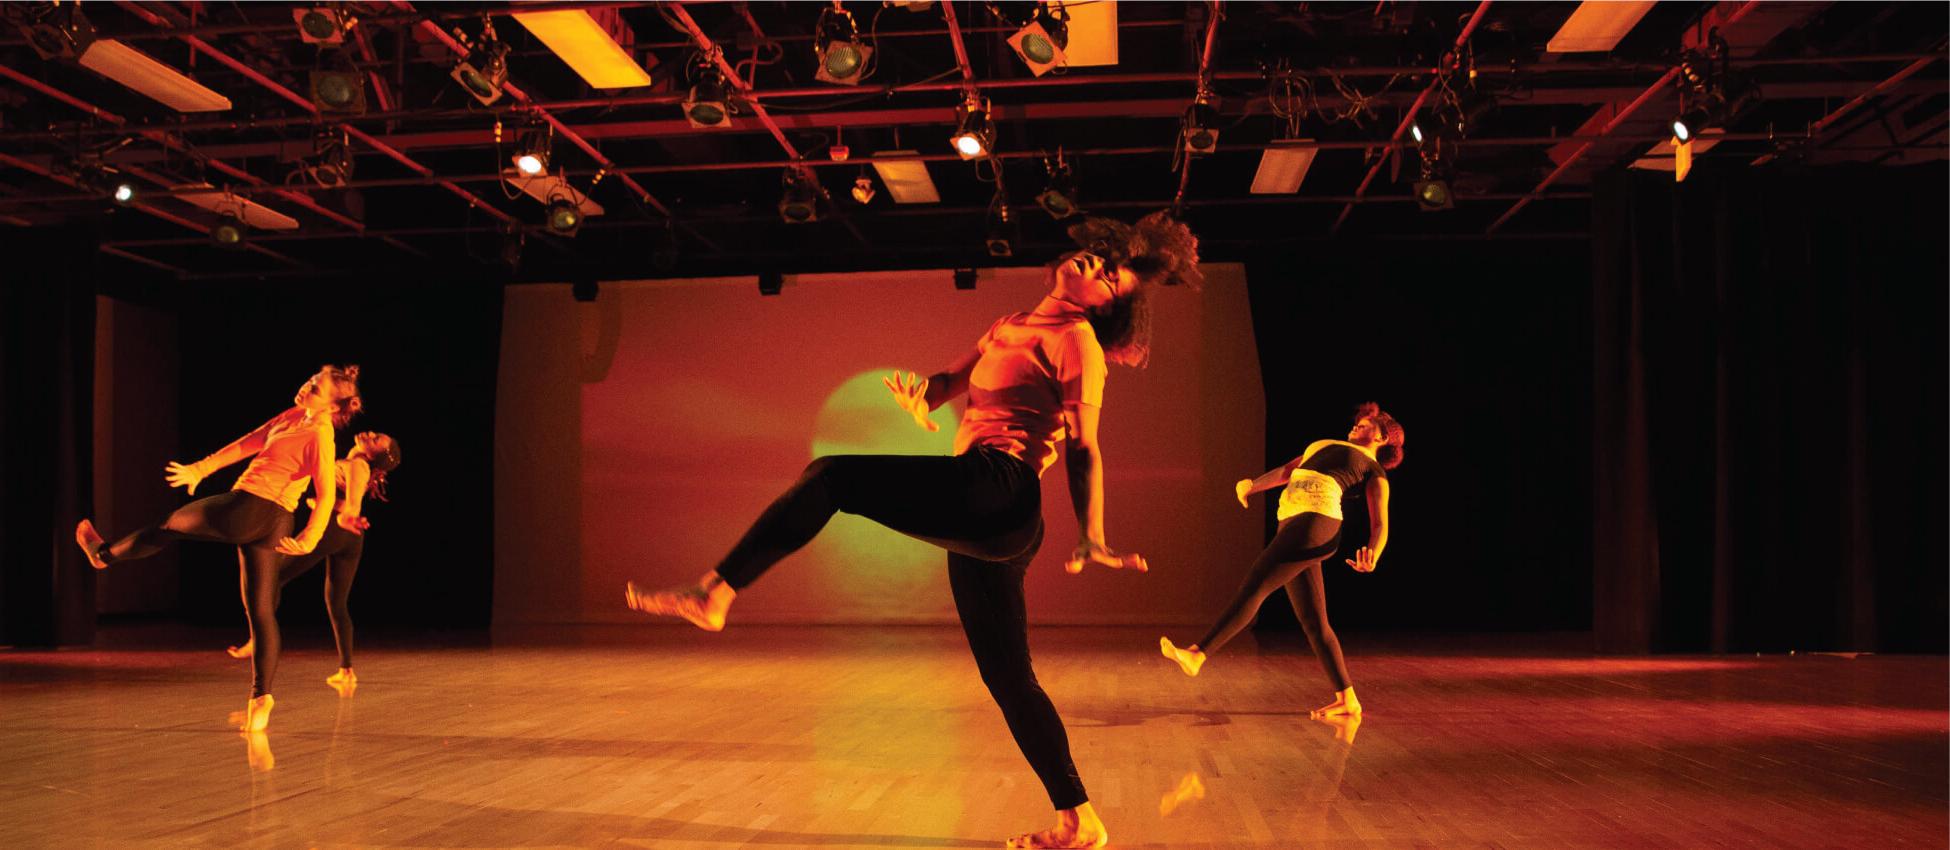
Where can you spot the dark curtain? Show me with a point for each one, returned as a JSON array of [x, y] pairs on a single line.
[[47, 331], [1480, 349], [1769, 411]]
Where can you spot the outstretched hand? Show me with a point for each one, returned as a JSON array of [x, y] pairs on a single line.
[[1363, 560], [912, 396], [183, 475], [1097, 553], [354, 524]]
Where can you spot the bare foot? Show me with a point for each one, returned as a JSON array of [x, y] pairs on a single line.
[[1189, 788], [1189, 659], [1344, 705], [247, 650], [257, 713], [704, 603], [1078, 827], [91, 543]]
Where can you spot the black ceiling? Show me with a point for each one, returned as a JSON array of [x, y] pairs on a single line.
[[684, 201]]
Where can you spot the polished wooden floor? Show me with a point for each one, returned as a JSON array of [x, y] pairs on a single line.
[[829, 737]]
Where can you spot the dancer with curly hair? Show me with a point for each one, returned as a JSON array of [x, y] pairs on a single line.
[[290, 451], [1310, 532], [1034, 379]]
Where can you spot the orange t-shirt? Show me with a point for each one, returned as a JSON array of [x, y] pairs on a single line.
[[284, 467], [1030, 367]]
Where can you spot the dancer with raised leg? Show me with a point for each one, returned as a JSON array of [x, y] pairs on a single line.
[[1033, 379], [360, 475], [286, 453], [1310, 532]]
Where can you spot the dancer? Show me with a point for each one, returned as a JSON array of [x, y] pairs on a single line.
[[256, 515], [1034, 378], [361, 474], [1310, 531]]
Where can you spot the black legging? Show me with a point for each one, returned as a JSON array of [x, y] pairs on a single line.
[[254, 525], [340, 550], [985, 508], [1292, 559]]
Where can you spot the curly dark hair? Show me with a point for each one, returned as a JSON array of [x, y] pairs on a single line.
[[386, 461], [1160, 251], [348, 404], [1390, 454]]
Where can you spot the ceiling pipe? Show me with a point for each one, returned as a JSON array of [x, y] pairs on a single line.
[[912, 212], [154, 264], [274, 87], [172, 218], [855, 162], [1826, 121], [1618, 118], [1408, 118], [1204, 80], [69, 132]]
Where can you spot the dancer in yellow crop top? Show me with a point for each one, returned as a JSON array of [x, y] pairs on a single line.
[[1310, 532], [288, 453]]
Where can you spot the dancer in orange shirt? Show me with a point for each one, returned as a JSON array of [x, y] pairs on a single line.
[[287, 453], [1034, 379], [360, 475]]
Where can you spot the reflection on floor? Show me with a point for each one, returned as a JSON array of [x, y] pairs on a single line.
[[828, 737]]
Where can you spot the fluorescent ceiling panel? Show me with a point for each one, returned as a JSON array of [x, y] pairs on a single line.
[[253, 213], [906, 179], [1284, 166], [1597, 26], [1093, 33], [166, 85], [587, 47]]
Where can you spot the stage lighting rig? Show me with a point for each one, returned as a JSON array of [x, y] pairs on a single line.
[[483, 70], [325, 25], [974, 134], [843, 59], [1040, 44], [707, 106], [1059, 197]]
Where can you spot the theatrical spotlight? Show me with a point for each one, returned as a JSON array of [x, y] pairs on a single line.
[[336, 86], [532, 147], [1433, 193], [1059, 198], [330, 163], [1040, 44], [974, 131], [964, 279], [1200, 128], [843, 59], [1415, 132], [1000, 234], [564, 217], [800, 202], [485, 67], [322, 24], [96, 178], [123, 194], [770, 282], [863, 190], [1689, 123], [229, 232], [707, 106]]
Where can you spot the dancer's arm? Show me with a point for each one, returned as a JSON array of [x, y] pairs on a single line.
[[953, 380], [1368, 556], [1078, 362], [191, 474], [324, 496], [357, 473], [1277, 477]]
